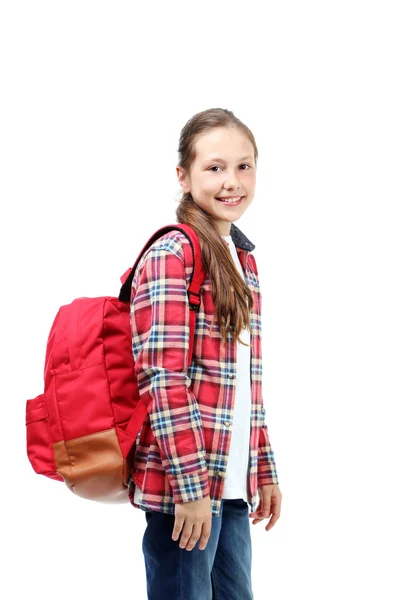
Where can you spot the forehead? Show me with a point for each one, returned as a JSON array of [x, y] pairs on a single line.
[[224, 143]]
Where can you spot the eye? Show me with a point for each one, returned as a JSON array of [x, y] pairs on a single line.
[[218, 167]]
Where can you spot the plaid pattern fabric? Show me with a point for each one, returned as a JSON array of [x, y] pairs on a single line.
[[181, 450]]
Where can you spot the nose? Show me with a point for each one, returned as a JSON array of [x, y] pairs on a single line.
[[232, 183]]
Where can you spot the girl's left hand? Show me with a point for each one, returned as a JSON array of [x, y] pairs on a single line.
[[269, 504]]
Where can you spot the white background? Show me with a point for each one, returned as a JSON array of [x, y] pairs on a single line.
[[94, 95]]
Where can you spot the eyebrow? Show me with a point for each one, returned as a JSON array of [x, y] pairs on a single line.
[[222, 160]]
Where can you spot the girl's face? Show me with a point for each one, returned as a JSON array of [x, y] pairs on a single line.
[[224, 166]]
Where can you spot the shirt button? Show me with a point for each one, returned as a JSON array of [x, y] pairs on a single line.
[[220, 473], [231, 375], [227, 423]]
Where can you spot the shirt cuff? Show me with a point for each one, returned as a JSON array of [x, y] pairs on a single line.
[[266, 468], [190, 486]]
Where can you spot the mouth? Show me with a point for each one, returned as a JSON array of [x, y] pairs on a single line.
[[234, 201]]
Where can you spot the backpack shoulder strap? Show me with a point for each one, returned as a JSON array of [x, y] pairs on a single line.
[[196, 279]]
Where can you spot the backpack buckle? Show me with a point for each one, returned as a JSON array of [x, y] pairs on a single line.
[[194, 301]]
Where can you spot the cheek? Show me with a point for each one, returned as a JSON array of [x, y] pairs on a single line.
[[210, 188], [252, 179], [206, 196], [204, 201]]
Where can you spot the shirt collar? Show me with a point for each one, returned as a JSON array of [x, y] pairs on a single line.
[[239, 239]]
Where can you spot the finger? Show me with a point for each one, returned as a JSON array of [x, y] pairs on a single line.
[[205, 535], [272, 522], [194, 537], [178, 524], [259, 517], [186, 534]]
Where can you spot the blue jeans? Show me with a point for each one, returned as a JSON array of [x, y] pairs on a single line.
[[222, 571]]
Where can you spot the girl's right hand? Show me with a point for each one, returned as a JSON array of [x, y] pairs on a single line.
[[195, 518]]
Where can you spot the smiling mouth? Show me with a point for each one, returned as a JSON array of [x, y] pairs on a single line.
[[229, 202]]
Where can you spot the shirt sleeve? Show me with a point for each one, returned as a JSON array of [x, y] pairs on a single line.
[[266, 472], [160, 318]]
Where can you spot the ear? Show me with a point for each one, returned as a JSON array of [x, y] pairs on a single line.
[[183, 179]]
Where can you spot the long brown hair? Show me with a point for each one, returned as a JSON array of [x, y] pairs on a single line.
[[231, 295]]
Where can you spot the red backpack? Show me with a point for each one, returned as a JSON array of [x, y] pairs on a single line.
[[82, 430]]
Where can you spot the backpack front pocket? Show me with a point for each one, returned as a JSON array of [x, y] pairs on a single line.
[[39, 443]]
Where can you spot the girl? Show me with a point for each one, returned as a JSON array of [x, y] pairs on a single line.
[[203, 451]]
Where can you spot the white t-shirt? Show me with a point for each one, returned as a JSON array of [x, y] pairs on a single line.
[[235, 483]]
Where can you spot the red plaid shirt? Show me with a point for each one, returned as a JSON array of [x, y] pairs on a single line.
[[182, 448]]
